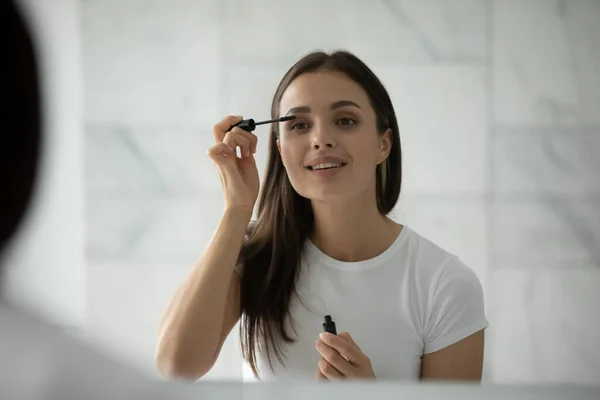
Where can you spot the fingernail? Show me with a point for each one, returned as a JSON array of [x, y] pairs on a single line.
[[323, 335]]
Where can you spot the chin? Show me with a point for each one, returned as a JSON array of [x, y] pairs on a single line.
[[335, 193], [328, 195]]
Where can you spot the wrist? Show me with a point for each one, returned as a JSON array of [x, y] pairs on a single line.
[[239, 213]]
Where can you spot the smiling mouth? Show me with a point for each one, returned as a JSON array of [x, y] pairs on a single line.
[[325, 166]]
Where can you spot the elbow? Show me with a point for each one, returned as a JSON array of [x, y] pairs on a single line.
[[178, 367], [175, 372]]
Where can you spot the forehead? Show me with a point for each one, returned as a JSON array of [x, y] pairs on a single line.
[[320, 89]]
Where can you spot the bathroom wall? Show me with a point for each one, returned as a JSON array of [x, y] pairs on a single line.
[[498, 108]]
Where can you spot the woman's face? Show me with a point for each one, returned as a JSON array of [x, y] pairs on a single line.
[[332, 147]]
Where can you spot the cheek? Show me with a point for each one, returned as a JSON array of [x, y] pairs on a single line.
[[293, 157], [364, 152], [290, 155]]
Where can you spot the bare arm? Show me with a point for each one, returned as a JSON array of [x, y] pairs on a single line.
[[461, 361], [205, 307]]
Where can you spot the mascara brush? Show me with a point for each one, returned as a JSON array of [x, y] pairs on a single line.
[[249, 124]]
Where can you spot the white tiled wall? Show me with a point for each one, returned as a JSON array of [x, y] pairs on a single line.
[[441, 110], [498, 103], [545, 62]]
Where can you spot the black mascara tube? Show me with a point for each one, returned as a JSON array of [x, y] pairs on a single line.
[[329, 325]]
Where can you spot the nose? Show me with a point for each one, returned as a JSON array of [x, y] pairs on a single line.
[[322, 139]]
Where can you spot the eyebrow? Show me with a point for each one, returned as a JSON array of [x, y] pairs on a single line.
[[334, 106]]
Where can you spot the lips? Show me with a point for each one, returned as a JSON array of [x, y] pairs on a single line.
[[321, 163], [325, 166]]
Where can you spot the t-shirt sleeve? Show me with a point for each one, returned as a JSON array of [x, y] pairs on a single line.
[[456, 306]]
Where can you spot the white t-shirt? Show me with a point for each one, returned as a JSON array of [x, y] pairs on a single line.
[[413, 299]]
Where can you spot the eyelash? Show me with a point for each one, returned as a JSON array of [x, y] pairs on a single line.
[[294, 126]]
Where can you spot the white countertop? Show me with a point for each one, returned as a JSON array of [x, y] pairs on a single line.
[[385, 390]]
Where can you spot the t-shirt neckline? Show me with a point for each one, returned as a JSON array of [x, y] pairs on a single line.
[[317, 255]]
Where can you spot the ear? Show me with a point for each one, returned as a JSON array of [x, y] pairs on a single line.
[[278, 146], [386, 146]]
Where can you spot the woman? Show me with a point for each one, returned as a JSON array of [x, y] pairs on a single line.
[[323, 245]]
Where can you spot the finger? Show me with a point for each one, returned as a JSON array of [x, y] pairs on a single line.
[[234, 140], [320, 376], [333, 357], [252, 138], [226, 161], [219, 150], [346, 335], [342, 345], [329, 371], [224, 126]]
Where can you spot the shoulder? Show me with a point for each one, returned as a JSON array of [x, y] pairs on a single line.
[[423, 255], [435, 268], [448, 292]]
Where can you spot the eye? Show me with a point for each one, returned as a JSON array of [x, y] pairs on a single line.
[[299, 126], [346, 122]]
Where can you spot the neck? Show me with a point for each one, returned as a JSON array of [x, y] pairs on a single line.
[[352, 230]]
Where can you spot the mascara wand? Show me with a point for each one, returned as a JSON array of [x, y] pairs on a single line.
[[249, 124]]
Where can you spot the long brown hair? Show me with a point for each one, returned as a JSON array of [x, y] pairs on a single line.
[[273, 248]]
